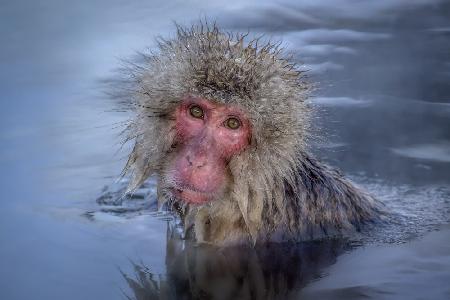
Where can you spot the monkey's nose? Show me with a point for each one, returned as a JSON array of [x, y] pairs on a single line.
[[196, 164]]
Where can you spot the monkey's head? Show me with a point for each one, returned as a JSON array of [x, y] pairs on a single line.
[[219, 120]]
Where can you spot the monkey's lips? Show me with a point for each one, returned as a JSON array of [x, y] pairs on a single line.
[[192, 196]]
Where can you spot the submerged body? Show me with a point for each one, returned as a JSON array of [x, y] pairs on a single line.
[[224, 124]]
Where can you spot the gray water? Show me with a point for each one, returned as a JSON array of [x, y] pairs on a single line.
[[382, 72]]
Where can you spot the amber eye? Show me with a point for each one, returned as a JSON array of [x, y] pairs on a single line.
[[196, 111], [233, 123]]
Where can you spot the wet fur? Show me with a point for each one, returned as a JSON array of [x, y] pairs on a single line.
[[278, 191]]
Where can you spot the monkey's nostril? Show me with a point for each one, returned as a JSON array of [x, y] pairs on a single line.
[[197, 165], [202, 165], [189, 160]]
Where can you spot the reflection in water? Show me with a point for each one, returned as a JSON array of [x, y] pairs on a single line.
[[271, 271]]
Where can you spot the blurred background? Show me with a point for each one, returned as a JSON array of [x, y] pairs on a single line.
[[382, 76]]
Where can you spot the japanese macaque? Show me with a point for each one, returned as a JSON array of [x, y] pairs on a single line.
[[223, 123]]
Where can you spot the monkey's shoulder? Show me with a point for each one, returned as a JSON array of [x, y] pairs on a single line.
[[323, 202]]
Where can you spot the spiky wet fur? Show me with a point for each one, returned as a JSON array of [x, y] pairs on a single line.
[[278, 191]]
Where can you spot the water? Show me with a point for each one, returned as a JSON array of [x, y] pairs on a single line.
[[382, 99]]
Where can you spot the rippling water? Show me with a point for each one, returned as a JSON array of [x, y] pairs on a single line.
[[381, 69]]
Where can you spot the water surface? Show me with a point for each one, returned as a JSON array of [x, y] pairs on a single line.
[[382, 101]]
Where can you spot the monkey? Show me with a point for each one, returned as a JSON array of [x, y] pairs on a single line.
[[223, 123]]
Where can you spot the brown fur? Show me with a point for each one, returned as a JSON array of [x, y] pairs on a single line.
[[278, 190]]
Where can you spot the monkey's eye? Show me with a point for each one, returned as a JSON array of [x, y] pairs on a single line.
[[232, 123], [196, 111]]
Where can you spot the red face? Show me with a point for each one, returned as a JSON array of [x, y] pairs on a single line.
[[208, 135]]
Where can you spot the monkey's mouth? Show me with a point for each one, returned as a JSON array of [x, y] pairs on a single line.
[[192, 196]]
